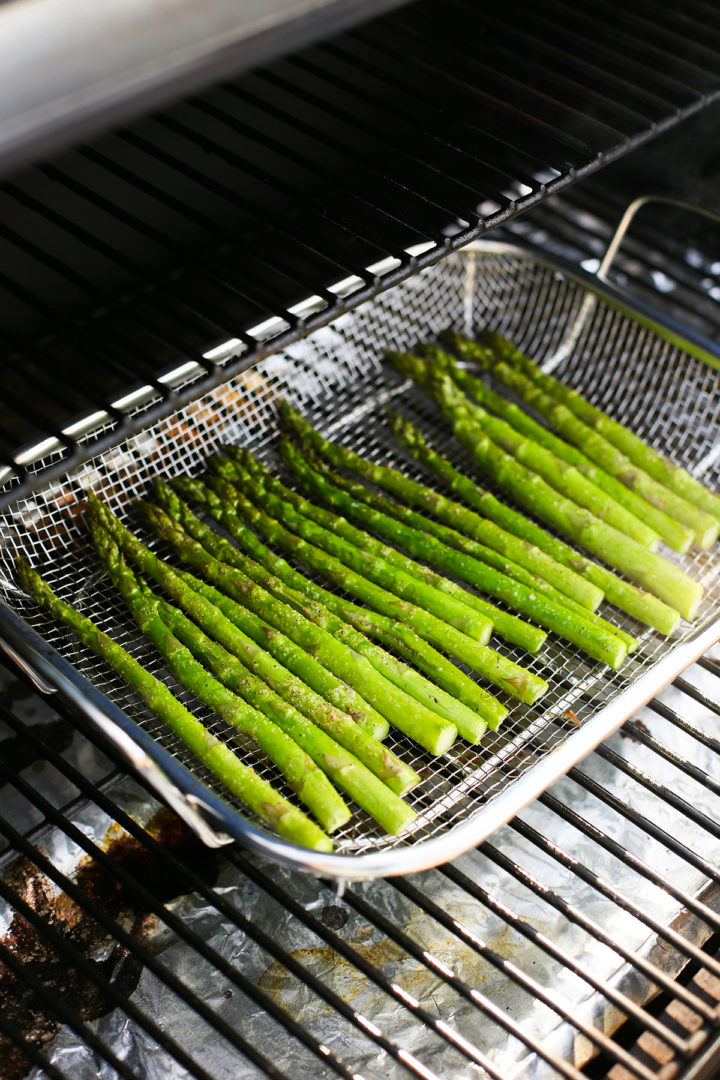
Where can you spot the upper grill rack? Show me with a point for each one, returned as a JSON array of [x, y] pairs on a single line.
[[216, 221], [337, 374]]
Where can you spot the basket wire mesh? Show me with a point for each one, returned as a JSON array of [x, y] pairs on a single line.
[[337, 378]]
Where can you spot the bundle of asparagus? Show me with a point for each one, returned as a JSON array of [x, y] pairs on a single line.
[[506, 461], [238, 778]]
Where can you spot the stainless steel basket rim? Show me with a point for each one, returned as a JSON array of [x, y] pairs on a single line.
[[502, 807]]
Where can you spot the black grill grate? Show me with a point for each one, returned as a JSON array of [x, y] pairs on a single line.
[[143, 252], [427, 977]]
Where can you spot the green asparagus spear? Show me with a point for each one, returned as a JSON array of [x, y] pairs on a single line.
[[299, 769], [453, 538], [509, 627], [659, 467], [267, 569], [285, 651], [426, 728], [641, 605], [677, 520], [594, 640], [357, 781], [412, 493], [218, 758], [560, 475], [403, 711], [601, 462], [496, 668], [444, 599], [658, 576], [454, 694]]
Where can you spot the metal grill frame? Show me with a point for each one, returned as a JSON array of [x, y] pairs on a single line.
[[566, 749]]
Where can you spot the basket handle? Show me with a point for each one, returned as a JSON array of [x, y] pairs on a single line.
[[629, 216], [590, 300]]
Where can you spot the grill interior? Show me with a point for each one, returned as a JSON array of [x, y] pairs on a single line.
[[336, 375]]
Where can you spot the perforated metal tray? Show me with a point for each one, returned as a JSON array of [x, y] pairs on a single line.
[[640, 371]]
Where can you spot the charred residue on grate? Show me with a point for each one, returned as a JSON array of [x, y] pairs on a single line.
[[115, 964]]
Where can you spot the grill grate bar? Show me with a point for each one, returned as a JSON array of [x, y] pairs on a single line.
[[169, 918], [702, 699], [597, 1037], [650, 828], [661, 790], [196, 884], [472, 995], [677, 721], [66, 1013], [13, 1033], [620, 852], [579, 918], [664, 752], [606, 889]]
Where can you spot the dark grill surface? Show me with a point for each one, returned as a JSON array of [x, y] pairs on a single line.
[[144, 251], [224, 966]]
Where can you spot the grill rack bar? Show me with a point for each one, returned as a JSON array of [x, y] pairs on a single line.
[[418, 892]]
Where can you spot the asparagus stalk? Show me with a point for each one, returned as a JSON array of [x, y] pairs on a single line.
[[337, 731], [510, 627], [445, 599], [594, 640], [561, 476], [677, 520], [659, 467], [454, 694], [300, 770], [453, 538], [660, 577], [285, 651], [601, 462], [496, 668], [309, 599], [640, 605], [357, 781], [219, 759], [403, 711], [453, 514], [428, 729]]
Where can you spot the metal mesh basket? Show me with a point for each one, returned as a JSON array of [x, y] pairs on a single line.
[[337, 378]]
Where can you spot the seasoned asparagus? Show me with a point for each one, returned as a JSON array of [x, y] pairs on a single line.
[[412, 493], [658, 576], [375, 553], [357, 781], [219, 759], [267, 569], [594, 640], [677, 521], [426, 728], [454, 693], [641, 605], [453, 538], [496, 668], [286, 652], [659, 467], [560, 475], [299, 768]]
